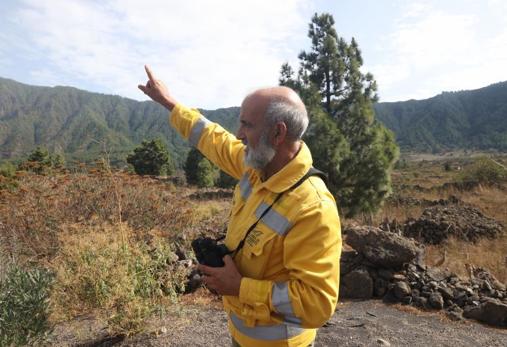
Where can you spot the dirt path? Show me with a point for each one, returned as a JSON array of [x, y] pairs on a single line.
[[364, 323]]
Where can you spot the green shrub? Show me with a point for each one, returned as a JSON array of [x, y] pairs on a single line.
[[38, 161], [8, 170], [151, 158], [24, 306], [199, 170], [484, 170], [225, 181]]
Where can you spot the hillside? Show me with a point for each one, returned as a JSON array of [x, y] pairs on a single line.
[[473, 119], [82, 124]]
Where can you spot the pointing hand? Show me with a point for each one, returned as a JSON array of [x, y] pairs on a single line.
[[157, 90]]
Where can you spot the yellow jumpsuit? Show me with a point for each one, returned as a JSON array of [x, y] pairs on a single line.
[[290, 262]]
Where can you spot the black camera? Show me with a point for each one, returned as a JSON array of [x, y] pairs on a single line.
[[209, 252]]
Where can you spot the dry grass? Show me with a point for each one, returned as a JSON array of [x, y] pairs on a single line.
[[104, 269], [488, 254], [424, 181], [109, 238]]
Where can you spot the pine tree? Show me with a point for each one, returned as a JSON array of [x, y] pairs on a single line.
[[38, 161], [151, 158], [346, 141]]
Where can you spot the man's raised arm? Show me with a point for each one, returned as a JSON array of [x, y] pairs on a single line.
[[216, 143]]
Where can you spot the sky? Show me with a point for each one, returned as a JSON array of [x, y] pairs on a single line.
[[212, 53]]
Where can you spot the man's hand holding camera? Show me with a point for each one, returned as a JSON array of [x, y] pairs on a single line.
[[224, 280]]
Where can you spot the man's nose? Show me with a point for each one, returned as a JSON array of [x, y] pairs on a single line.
[[240, 135], [242, 139]]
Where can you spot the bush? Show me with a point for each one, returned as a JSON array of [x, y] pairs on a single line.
[[199, 170], [24, 306], [41, 162], [484, 170], [225, 181], [7, 170], [107, 268], [8, 177], [151, 158]]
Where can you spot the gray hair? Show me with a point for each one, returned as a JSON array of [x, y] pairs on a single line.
[[295, 117]]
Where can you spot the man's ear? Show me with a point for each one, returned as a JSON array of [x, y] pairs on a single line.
[[280, 133]]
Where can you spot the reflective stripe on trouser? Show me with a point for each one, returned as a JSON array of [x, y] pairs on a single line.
[[266, 332], [234, 343]]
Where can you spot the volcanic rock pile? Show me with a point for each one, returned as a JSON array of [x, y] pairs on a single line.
[[389, 266], [464, 222]]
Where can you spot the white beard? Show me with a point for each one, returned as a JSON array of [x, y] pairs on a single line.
[[259, 157]]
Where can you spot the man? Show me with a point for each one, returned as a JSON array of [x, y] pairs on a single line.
[[281, 284]]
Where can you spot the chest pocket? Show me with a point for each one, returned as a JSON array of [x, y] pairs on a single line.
[[257, 251], [258, 248]]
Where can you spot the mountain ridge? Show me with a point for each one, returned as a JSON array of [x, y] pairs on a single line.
[[466, 119], [83, 125]]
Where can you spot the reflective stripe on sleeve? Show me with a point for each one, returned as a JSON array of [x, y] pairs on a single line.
[[196, 132], [245, 187], [281, 302], [273, 219], [266, 332]]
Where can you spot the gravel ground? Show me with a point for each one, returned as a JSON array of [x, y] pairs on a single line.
[[362, 323]]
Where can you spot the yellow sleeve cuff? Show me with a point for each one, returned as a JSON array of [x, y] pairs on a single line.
[[252, 292]]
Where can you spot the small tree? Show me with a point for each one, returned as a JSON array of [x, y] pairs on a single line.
[[38, 161], [58, 161], [199, 170], [7, 170], [151, 158], [225, 181]]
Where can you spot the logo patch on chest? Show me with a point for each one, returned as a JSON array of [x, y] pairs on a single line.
[[254, 238]]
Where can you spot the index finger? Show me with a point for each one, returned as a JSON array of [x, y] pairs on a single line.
[[149, 73]]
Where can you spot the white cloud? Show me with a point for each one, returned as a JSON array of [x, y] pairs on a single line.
[[208, 52], [433, 49]]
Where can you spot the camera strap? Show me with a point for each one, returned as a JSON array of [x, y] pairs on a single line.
[[312, 172]]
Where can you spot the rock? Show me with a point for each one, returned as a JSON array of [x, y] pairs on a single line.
[[437, 274], [357, 284], [382, 248], [382, 342], [460, 298], [407, 300], [399, 277], [401, 290], [420, 301], [194, 281], [435, 300], [380, 287], [349, 260], [491, 312], [456, 314], [386, 274], [446, 293]]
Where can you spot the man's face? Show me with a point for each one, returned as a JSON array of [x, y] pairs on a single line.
[[254, 134]]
